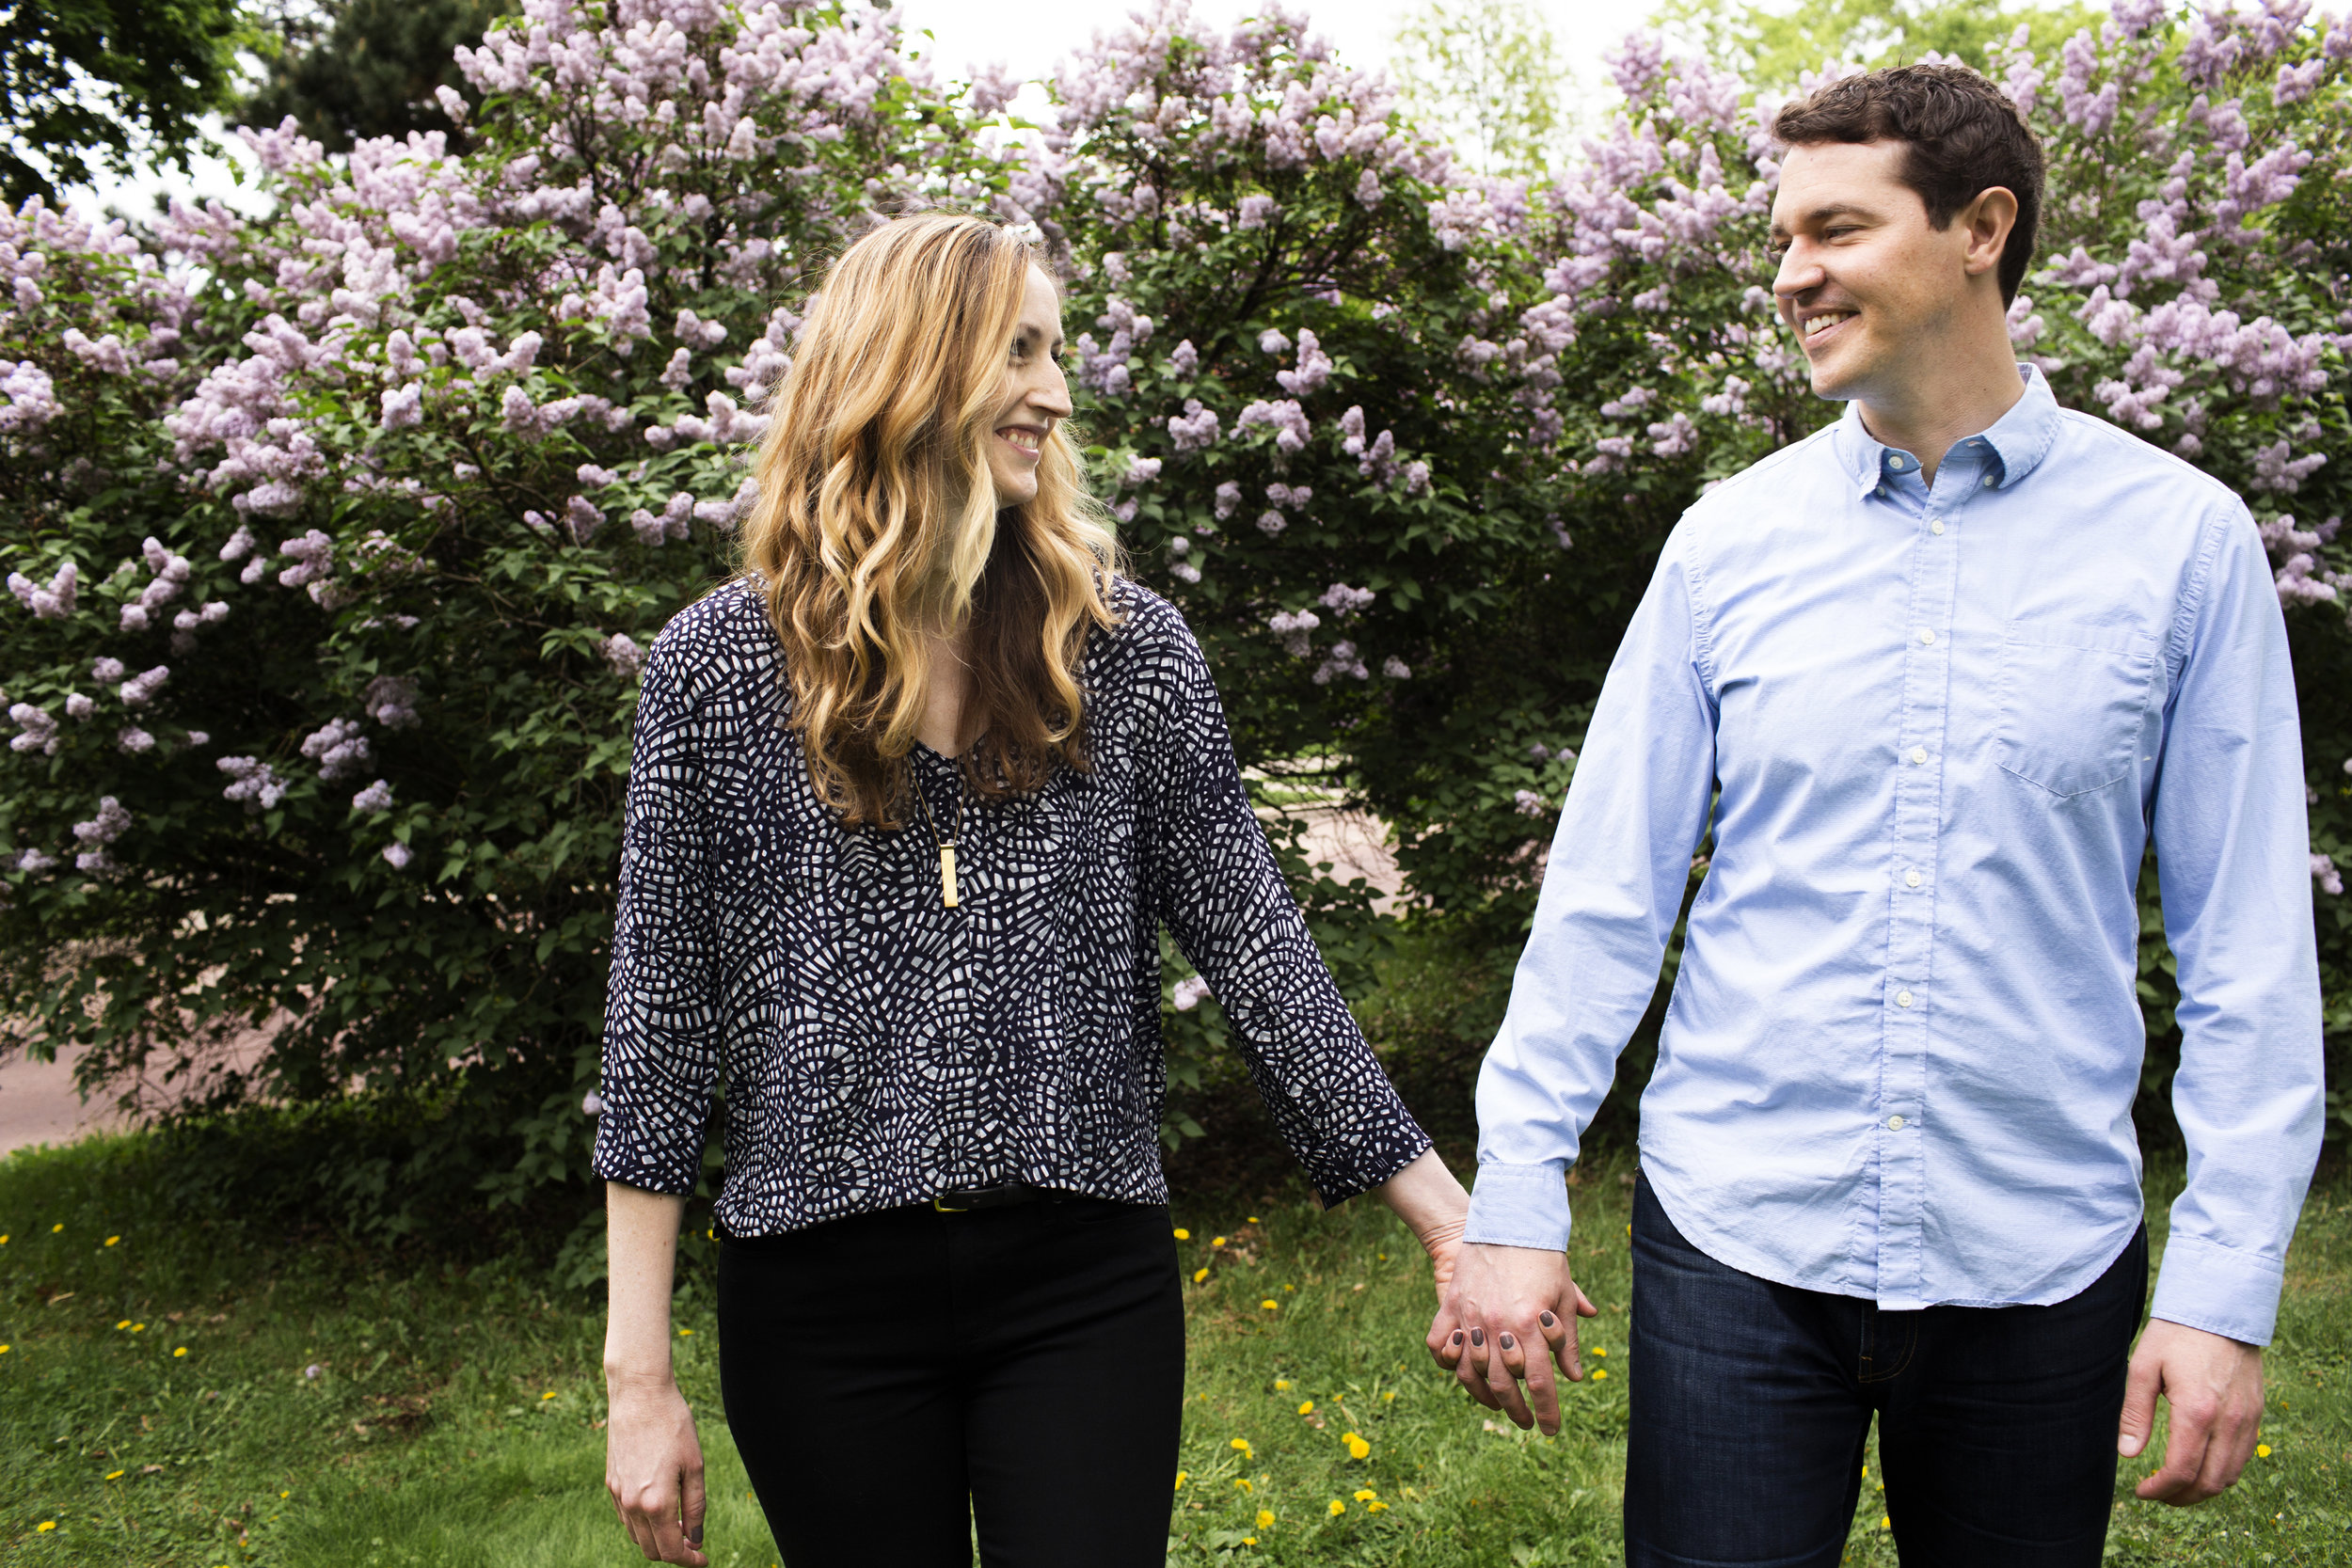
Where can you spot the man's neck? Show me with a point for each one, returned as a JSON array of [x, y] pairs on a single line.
[[1929, 413]]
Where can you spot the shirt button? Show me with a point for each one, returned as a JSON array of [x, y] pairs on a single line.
[[1918, 754], [1902, 999], [1936, 527], [1926, 636], [1894, 1124], [1911, 878], [1990, 479]]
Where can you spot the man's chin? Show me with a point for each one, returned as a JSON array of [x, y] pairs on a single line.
[[1835, 382]]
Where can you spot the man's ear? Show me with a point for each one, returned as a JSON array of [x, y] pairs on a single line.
[[1986, 222]]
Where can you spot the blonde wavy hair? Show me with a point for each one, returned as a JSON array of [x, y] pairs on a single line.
[[876, 525]]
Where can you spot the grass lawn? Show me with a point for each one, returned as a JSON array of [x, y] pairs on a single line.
[[157, 1405]]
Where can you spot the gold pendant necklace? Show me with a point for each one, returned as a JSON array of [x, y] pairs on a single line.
[[947, 845]]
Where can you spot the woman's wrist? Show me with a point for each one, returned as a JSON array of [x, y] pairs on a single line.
[[1429, 1200]]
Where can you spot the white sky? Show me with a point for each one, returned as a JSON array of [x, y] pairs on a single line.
[[970, 34], [1031, 41]]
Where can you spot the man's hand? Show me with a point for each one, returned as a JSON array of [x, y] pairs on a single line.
[[1503, 1300], [653, 1466], [2215, 1385]]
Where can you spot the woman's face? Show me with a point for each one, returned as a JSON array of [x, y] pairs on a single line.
[[1034, 395]]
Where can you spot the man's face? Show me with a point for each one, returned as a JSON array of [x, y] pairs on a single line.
[[1866, 282]]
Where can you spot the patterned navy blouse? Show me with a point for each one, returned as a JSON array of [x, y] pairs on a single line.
[[878, 1048]]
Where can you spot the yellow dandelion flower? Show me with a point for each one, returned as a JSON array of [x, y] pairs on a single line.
[[1290, 1286], [1216, 1241], [1366, 1494], [184, 1349], [54, 1228], [686, 1334], [1271, 1305], [1241, 1483], [1885, 1522], [4, 1350], [1375, 1507], [1182, 1235], [1182, 1477], [1266, 1518], [1357, 1446], [1252, 1220], [1338, 1508], [2262, 1451], [125, 1323], [1200, 1274], [1307, 1407], [4, 1241], [1384, 1257], [114, 1475], [1600, 1350], [1389, 1394], [112, 1240], [48, 1525], [1249, 1540], [138, 1328], [1281, 1385], [1241, 1447], [1601, 1374], [549, 1395], [283, 1496]]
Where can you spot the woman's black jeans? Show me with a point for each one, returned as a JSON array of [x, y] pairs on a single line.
[[897, 1380], [1750, 1403]]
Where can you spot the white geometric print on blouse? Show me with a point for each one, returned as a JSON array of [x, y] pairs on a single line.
[[877, 1048]]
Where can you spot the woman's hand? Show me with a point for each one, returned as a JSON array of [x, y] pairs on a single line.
[[1427, 1198], [653, 1466], [1505, 1304], [653, 1463]]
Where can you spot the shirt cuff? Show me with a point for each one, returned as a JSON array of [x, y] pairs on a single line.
[[1519, 1206], [2218, 1289]]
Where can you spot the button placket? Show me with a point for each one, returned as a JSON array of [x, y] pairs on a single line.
[[1906, 1029]]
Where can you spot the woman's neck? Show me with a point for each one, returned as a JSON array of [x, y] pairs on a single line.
[[946, 690]]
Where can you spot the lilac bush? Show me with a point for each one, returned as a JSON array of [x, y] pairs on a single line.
[[338, 537]]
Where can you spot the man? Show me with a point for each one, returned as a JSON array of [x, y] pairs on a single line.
[[1952, 664]]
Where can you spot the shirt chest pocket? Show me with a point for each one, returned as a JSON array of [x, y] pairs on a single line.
[[2074, 700]]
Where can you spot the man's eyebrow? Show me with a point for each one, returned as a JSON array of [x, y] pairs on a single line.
[[1828, 210]]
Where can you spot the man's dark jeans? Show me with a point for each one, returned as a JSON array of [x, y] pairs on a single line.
[[1751, 1401]]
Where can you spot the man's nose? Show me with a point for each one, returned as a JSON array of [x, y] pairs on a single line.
[[1800, 272]]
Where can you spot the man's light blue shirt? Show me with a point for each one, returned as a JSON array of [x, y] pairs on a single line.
[[1945, 725]]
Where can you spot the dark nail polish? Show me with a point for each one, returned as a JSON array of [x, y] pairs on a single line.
[[1457, 1336], [694, 1536], [1505, 1341], [1478, 1337], [1550, 1322]]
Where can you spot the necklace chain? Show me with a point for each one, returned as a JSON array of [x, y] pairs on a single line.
[[947, 892]]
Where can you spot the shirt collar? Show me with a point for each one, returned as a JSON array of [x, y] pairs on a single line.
[[2013, 448]]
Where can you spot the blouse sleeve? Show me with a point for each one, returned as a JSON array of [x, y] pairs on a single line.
[[1227, 905], [661, 1033]]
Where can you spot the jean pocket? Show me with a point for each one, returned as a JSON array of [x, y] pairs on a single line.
[[2074, 700]]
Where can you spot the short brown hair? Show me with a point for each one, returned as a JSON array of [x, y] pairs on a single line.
[[1964, 134]]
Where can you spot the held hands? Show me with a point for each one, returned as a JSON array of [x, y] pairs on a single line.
[[2214, 1387], [1503, 1302], [653, 1468]]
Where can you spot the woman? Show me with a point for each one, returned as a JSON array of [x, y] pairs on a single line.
[[908, 803]]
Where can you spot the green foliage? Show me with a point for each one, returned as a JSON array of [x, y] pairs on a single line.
[[372, 68], [1773, 45], [1489, 78], [93, 87]]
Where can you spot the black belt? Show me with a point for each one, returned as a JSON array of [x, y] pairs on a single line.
[[955, 1200]]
